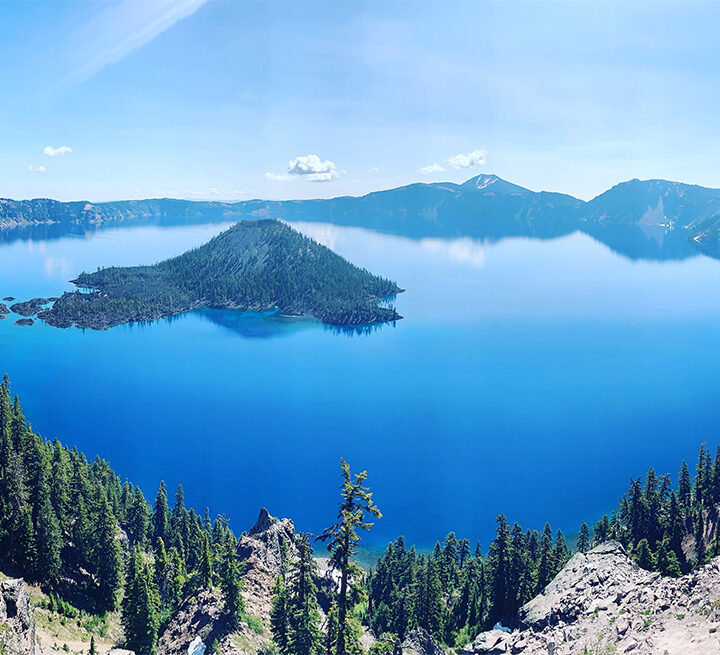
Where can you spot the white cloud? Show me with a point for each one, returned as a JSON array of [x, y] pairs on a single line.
[[377, 169], [36, 169], [308, 167], [474, 158], [275, 177], [433, 168], [56, 152], [313, 168]]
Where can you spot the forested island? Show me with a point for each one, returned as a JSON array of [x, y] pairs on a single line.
[[261, 265], [99, 550]]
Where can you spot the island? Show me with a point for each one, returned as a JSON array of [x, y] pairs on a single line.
[[259, 265]]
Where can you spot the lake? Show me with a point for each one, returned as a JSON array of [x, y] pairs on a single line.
[[532, 377]]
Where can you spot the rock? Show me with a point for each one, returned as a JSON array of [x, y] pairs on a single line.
[[24, 322], [601, 601], [492, 642], [201, 620], [4, 309], [621, 625], [419, 642], [8, 298], [196, 647], [17, 620]]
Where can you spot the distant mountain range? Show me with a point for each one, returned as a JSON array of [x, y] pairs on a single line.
[[654, 219]]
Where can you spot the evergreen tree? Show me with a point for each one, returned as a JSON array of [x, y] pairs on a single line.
[[140, 607], [583, 542], [160, 516], [231, 586], [700, 550], [667, 561], [546, 565], [92, 650], [49, 540], [684, 489], [644, 556], [280, 616], [205, 568], [106, 555], [342, 537], [304, 636], [499, 557]]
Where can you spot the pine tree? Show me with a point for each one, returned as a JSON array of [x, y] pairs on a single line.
[[48, 540], [160, 516], [684, 488], [644, 556], [304, 636], [205, 569], [342, 537], [546, 565], [499, 556], [140, 608], [667, 561], [231, 585], [92, 650], [583, 542], [106, 555], [700, 550], [280, 616]]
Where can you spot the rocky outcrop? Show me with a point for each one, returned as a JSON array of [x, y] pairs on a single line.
[[30, 307], [420, 642], [17, 621], [4, 308], [602, 602], [263, 550]]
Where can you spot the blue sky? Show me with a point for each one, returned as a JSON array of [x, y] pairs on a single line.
[[232, 100]]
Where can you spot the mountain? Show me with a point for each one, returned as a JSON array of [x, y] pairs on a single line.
[[653, 219], [654, 203], [261, 265]]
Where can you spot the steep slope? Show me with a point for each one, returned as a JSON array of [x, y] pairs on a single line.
[[255, 265], [654, 202], [602, 602]]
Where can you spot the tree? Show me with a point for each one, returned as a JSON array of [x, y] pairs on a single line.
[[583, 542], [644, 556], [280, 616], [700, 550], [49, 541], [205, 567], [231, 586], [92, 650], [499, 556], [684, 488], [140, 607], [160, 516], [106, 555], [342, 537], [304, 636], [546, 566], [667, 561]]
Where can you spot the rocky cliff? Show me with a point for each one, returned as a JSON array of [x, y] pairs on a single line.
[[264, 551], [602, 602], [17, 621]]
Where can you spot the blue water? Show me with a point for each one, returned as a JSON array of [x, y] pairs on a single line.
[[529, 377]]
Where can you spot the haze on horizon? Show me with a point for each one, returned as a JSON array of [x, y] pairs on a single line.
[[213, 99]]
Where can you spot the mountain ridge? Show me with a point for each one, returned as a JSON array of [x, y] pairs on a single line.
[[635, 216]]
